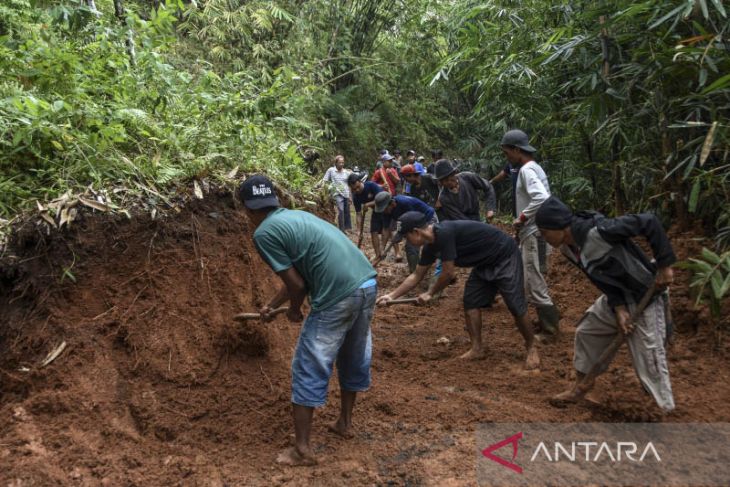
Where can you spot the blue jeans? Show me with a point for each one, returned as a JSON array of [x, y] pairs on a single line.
[[339, 333]]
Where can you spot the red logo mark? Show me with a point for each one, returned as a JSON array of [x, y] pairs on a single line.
[[514, 439]]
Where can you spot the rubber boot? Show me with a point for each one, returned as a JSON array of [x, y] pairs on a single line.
[[549, 318], [412, 262]]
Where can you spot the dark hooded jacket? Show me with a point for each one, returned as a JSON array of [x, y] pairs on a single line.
[[611, 260]]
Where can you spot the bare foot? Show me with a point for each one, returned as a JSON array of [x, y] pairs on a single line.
[[339, 428], [473, 355], [533, 359], [293, 458], [570, 396]]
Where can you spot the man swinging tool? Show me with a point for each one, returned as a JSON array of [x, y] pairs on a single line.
[[602, 248], [496, 267], [395, 206], [308, 253]]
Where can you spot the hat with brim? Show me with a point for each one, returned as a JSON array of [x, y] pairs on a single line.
[[517, 138], [382, 200], [387, 157], [258, 192], [444, 169]]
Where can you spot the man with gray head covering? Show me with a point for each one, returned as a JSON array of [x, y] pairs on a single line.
[[602, 248], [531, 191]]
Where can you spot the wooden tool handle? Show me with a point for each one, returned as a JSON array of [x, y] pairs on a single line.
[[613, 347], [403, 301], [257, 316]]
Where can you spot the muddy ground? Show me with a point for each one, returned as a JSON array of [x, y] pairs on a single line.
[[156, 386]]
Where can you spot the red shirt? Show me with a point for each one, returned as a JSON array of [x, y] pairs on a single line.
[[387, 179]]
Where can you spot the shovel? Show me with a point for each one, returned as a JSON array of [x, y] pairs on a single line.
[[257, 316], [403, 301]]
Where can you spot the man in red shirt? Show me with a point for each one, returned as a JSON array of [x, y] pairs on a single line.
[[387, 176]]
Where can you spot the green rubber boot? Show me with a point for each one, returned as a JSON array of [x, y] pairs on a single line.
[[549, 318]]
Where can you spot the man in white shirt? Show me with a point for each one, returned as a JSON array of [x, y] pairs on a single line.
[[531, 191], [337, 176]]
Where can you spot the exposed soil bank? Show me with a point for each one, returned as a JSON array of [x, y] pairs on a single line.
[[157, 386]]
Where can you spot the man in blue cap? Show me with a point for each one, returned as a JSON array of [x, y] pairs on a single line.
[[531, 191], [496, 268], [602, 248], [393, 207], [307, 254]]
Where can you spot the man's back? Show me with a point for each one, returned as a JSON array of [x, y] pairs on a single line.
[[330, 264], [468, 244]]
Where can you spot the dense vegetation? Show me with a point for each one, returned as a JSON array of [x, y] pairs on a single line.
[[628, 101]]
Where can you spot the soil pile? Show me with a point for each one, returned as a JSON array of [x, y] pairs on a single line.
[[158, 386]]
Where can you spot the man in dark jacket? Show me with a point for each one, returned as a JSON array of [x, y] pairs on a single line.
[[459, 196], [602, 248]]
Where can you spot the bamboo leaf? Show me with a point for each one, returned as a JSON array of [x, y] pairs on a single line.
[[716, 283], [694, 196], [708, 143], [666, 17], [717, 84], [710, 256], [719, 7]]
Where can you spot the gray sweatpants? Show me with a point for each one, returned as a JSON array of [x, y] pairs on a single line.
[[598, 328], [536, 288]]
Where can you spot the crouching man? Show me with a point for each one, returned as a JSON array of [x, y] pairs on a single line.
[[312, 257], [496, 267], [602, 248]]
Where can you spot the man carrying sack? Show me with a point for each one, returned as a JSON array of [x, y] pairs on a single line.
[[602, 248], [312, 257]]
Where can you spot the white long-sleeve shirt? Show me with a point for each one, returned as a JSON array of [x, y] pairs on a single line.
[[531, 191]]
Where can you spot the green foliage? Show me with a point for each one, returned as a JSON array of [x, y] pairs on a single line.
[[74, 111], [627, 101], [710, 279]]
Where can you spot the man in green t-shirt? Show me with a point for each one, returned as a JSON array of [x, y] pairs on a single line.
[[312, 257]]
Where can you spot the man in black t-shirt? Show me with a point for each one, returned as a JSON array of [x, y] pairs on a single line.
[[496, 267]]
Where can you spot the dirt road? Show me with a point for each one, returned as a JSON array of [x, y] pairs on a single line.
[[157, 387]]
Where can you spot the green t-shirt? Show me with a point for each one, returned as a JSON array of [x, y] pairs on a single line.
[[330, 264]]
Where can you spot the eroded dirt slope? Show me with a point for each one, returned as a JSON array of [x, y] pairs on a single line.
[[157, 386]]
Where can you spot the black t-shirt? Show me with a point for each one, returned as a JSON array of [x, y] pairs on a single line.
[[468, 244], [427, 191]]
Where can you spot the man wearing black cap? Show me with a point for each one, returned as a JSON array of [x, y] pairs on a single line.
[[496, 267], [602, 248], [308, 253], [459, 196], [531, 190]]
